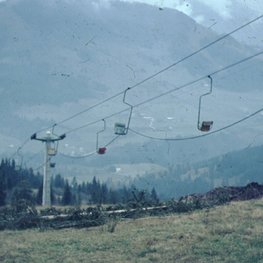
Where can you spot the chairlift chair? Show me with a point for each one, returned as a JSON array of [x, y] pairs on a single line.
[[52, 144], [52, 148], [52, 165], [121, 128], [205, 126], [101, 150]]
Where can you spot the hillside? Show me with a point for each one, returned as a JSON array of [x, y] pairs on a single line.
[[236, 168], [220, 234], [62, 57]]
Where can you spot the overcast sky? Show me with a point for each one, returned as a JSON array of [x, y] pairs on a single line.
[[222, 7], [220, 15]]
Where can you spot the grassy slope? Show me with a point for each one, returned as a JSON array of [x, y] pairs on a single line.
[[232, 233]]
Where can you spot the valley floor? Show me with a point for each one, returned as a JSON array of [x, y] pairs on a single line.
[[230, 233]]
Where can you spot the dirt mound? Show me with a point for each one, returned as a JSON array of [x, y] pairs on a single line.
[[222, 195], [250, 191]]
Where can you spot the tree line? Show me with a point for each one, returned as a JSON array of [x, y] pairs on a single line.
[[19, 184]]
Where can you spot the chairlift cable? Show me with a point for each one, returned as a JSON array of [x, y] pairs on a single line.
[[159, 72], [145, 80], [26, 141], [198, 136], [201, 78], [170, 91], [19, 148], [77, 157], [42, 165], [197, 51], [113, 140], [89, 108], [254, 140], [88, 154], [33, 157]]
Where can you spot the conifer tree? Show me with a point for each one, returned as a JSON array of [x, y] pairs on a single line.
[[67, 195]]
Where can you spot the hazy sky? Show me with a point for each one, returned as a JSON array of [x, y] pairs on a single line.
[[222, 7]]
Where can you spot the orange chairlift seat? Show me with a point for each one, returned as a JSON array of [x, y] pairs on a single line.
[[204, 126]]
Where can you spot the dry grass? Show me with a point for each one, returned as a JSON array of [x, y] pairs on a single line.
[[232, 233]]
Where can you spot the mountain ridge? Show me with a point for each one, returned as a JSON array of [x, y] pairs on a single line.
[[58, 58]]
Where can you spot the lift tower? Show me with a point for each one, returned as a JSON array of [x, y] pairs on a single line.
[[51, 145]]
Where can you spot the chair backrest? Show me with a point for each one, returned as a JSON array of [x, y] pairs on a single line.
[[120, 129], [206, 125]]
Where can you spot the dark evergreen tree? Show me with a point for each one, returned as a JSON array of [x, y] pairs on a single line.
[[74, 184], [154, 196], [67, 195], [83, 188], [2, 190], [59, 181], [39, 194], [78, 196], [52, 195], [112, 197], [95, 191], [104, 194], [22, 192]]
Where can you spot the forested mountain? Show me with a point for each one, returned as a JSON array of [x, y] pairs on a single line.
[[62, 57], [18, 185], [58, 58], [232, 169]]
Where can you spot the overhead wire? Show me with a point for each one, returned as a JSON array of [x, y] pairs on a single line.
[[89, 108], [42, 165], [254, 140], [197, 51], [170, 91], [25, 142], [88, 154], [19, 149], [201, 78], [142, 81], [77, 157], [161, 71], [33, 157], [199, 136], [154, 98]]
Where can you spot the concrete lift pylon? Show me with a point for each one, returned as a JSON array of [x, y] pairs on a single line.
[[51, 144]]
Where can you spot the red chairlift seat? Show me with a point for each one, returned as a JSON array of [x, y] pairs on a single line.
[[102, 150], [206, 126]]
